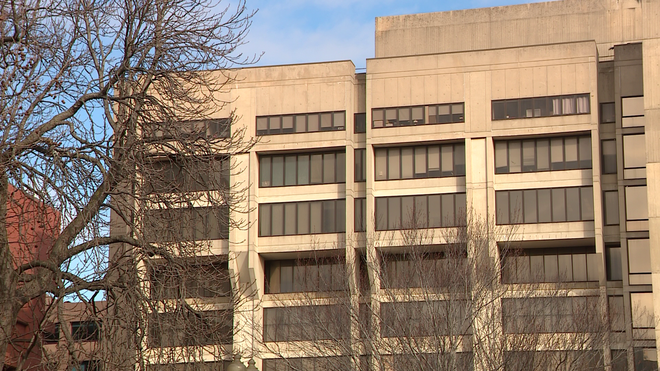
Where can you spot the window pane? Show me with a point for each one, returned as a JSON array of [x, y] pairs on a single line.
[[607, 114], [377, 117], [407, 163], [636, 203], [290, 221], [448, 210], [611, 207], [545, 205], [540, 107], [580, 267], [447, 160], [499, 112], [394, 163], [461, 206], [435, 217], [557, 154], [572, 204], [264, 220], [315, 217], [565, 268], [264, 171], [277, 219], [511, 109], [501, 158], [303, 169], [421, 211], [558, 205], [338, 121], [408, 219], [329, 168], [527, 108], [551, 266], [634, 151], [420, 162], [313, 122], [381, 164], [542, 154], [262, 125], [568, 106], [530, 206], [301, 123], [514, 156], [528, 158], [274, 124], [360, 168], [459, 159], [326, 121], [394, 213], [571, 153], [341, 167], [587, 203], [614, 265], [404, 116], [287, 124], [328, 216], [290, 165], [502, 207], [639, 256], [418, 115], [516, 206], [434, 161], [642, 310], [316, 168], [381, 214], [340, 212], [632, 106], [303, 217], [608, 148], [585, 152], [278, 171]]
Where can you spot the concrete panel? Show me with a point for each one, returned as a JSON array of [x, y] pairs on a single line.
[[583, 78], [651, 70], [652, 135], [554, 80], [457, 88], [430, 89], [390, 92], [498, 84], [477, 111], [527, 82], [444, 88], [632, 80], [376, 88], [403, 90], [540, 80], [568, 77], [512, 83], [417, 90]]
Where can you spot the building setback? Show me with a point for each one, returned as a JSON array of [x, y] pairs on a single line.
[[540, 117]]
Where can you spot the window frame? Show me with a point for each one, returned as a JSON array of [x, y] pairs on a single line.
[[380, 114], [295, 117], [509, 103]]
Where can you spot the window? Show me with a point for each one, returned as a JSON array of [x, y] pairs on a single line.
[[190, 366], [643, 322], [425, 318], [51, 333], [611, 209], [636, 203], [550, 265], [85, 331], [186, 224], [418, 115], [432, 161], [309, 364], [462, 361], [634, 156], [360, 122], [543, 154], [360, 169], [307, 217], [614, 266], [186, 328], [176, 175], [544, 205], [536, 315], [607, 114], [87, 366], [424, 269], [632, 111], [301, 123], [360, 214], [541, 107], [646, 359], [302, 169], [181, 279], [203, 129], [306, 323], [424, 211], [608, 150], [547, 360], [639, 261], [305, 275]]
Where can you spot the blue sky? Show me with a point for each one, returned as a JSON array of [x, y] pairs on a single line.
[[301, 31]]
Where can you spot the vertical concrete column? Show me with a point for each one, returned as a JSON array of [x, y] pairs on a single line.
[[651, 68]]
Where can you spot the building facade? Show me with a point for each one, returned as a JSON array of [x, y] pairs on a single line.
[[538, 118]]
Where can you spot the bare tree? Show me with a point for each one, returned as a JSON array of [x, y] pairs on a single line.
[[96, 97], [436, 302]]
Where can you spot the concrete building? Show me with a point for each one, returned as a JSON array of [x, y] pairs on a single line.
[[541, 116]]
